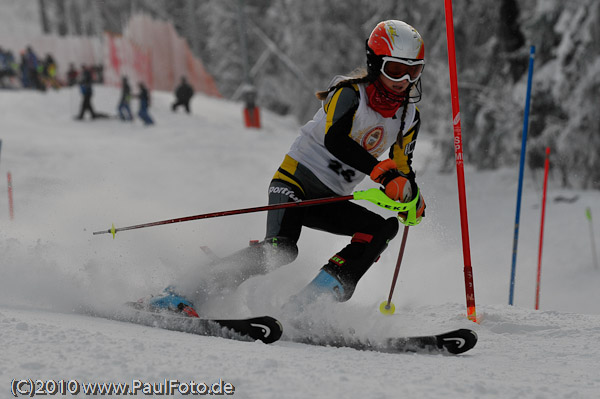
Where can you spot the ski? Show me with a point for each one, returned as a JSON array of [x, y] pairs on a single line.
[[452, 342], [264, 328]]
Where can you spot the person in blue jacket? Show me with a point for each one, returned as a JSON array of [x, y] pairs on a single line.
[[144, 97]]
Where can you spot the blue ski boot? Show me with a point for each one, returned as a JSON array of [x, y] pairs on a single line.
[[341, 274], [172, 301], [323, 285]]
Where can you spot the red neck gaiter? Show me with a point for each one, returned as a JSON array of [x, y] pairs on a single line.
[[383, 100]]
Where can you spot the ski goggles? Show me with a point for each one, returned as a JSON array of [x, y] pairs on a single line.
[[396, 69]]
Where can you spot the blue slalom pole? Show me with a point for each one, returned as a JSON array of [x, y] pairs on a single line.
[[521, 168]]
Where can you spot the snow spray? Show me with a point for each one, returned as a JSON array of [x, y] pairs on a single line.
[[521, 168], [588, 214], [539, 269], [460, 171]]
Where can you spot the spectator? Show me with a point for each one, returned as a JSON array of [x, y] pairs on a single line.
[[124, 109], [183, 94], [144, 97], [23, 71], [49, 72], [86, 94], [72, 75], [3, 64], [33, 69], [99, 73], [8, 69]]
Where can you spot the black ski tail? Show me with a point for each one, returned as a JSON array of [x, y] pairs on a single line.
[[458, 341], [452, 342], [264, 328]]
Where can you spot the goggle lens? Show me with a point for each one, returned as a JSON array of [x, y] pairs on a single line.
[[398, 70]]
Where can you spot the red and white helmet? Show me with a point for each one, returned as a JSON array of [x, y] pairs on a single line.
[[399, 44]]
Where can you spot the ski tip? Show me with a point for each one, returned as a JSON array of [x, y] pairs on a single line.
[[113, 231], [264, 328], [270, 329], [457, 341]]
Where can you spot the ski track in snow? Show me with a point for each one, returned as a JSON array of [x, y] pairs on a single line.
[[72, 178]]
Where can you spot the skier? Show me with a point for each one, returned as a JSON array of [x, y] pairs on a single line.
[[123, 108], [183, 94], [362, 117], [144, 97]]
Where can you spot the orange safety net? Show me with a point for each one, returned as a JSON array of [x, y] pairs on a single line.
[[151, 51]]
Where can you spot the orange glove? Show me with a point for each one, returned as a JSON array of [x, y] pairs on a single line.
[[397, 186]]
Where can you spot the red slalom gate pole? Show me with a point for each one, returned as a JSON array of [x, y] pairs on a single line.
[[539, 269], [458, 152], [10, 197]]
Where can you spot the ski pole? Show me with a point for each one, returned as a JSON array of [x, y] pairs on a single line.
[[373, 195], [387, 307], [588, 214]]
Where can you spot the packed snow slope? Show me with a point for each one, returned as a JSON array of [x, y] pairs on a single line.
[[72, 178]]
